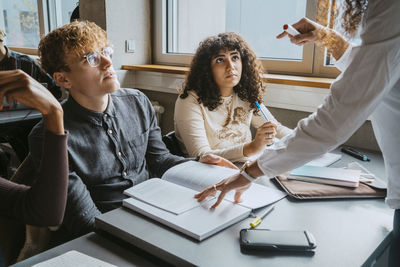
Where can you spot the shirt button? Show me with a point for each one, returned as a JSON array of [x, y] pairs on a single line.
[[124, 174], [110, 131], [119, 153]]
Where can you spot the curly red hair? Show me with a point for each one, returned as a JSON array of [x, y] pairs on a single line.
[[76, 39]]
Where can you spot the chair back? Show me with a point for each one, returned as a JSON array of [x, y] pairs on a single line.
[[172, 143]]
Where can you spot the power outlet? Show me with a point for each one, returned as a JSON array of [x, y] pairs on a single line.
[[130, 46]]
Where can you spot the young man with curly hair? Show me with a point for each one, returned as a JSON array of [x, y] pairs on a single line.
[[114, 141], [217, 107]]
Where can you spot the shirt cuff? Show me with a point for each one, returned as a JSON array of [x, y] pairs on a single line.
[[343, 61]]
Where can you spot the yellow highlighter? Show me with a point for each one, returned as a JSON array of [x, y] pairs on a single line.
[[254, 223]]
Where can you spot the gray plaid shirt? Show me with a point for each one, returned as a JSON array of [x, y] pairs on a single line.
[[108, 152]]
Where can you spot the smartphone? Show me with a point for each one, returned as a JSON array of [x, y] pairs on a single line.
[[265, 239]]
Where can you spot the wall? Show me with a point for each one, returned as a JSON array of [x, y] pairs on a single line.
[[123, 20]]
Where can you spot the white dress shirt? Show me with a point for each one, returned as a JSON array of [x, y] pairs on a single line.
[[368, 86]]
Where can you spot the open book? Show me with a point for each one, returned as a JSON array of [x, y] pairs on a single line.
[[170, 200]]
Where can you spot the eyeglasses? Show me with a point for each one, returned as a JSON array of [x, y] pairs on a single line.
[[94, 58]]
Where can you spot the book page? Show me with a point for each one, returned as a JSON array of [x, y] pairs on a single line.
[[73, 258], [198, 176], [164, 195]]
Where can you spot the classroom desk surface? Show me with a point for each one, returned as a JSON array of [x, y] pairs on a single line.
[[346, 231], [13, 116]]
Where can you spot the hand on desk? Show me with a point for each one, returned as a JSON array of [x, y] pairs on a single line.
[[237, 182], [217, 160], [16, 84]]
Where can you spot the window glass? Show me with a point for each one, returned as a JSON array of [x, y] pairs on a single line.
[[67, 7], [19, 20], [258, 21]]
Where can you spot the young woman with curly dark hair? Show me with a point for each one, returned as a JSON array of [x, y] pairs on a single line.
[[217, 107]]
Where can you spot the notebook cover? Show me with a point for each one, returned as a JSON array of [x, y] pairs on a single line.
[[305, 190]]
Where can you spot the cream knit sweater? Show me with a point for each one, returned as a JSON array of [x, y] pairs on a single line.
[[222, 131]]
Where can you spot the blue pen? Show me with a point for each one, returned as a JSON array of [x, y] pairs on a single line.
[[262, 112]]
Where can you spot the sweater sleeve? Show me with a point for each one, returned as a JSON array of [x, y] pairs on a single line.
[[190, 129], [43, 204]]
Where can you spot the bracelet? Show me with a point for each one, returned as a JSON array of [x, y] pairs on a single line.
[[245, 174]]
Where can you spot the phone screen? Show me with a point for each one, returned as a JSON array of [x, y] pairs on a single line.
[[284, 238]]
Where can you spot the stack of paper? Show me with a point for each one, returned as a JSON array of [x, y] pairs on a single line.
[[326, 175], [73, 258]]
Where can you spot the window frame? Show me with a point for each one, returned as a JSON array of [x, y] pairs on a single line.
[[48, 19], [312, 63]]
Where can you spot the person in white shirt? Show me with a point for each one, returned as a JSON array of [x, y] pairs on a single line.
[[217, 106], [369, 86]]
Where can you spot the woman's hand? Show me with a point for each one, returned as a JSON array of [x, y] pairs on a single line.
[[19, 86], [312, 32], [265, 136], [217, 160]]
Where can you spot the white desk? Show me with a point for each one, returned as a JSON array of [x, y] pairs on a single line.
[[347, 233]]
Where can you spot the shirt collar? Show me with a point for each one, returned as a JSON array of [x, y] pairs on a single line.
[[89, 115]]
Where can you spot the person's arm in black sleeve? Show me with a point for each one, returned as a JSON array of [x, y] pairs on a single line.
[[43, 204]]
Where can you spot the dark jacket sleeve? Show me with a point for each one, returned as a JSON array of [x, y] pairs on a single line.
[[43, 204]]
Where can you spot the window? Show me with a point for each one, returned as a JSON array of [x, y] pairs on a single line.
[[20, 23], [182, 24], [24, 21]]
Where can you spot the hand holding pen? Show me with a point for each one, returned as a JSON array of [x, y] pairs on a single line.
[[264, 136], [270, 127]]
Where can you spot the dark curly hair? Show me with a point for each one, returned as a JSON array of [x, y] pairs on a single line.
[[201, 80]]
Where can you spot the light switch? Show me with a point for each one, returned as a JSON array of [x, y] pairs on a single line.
[[130, 46]]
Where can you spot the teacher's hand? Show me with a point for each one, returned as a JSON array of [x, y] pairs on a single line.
[[309, 32], [312, 32], [235, 182]]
